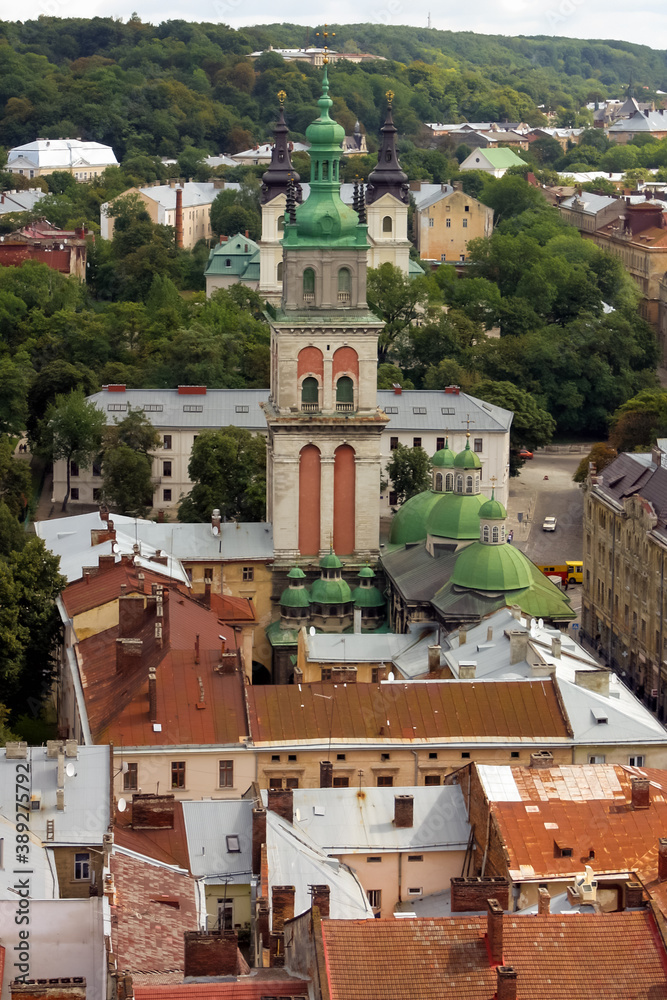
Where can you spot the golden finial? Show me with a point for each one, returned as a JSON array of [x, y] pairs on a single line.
[[390, 97], [282, 97], [325, 38]]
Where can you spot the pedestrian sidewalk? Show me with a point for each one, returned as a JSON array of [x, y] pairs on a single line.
[[521, 500]]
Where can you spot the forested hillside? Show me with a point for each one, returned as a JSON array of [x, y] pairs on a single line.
[[158, 90]]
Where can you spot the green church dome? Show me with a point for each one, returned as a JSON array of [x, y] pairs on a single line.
[[443, 459], [456, 515], [330, 561], [296, 573], [492, 568], [493, 510], [295, 597], [330, 592], [409, 521], [366, 573], [467, 459], [368, 597]]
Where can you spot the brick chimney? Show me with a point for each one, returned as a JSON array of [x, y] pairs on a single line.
[[641, 793], [556, 646], [403, 811], [541, 759], [258, 838], [153, 812], [281, 801], [472, 893], [433, 658], [662, 859], [282, 905], [210, 953], [467, 669], [505, 983], [518, 645], [321, 899], [131, 610], [494, 930], [326, 774], [543, 902]]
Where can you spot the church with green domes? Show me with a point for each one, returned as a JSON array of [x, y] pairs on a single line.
[[449, 559]]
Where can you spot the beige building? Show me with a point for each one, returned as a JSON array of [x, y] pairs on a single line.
[[82, 159], [624, 605], [160, 201], [445, 224]]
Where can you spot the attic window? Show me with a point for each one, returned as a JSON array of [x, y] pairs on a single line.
[[116, 406], [447, 411], [600, 717], [152, 407], [391, 409], [193, 409], [560, 851], [419, 409], [233, 844], [242, 409], [228, 263]]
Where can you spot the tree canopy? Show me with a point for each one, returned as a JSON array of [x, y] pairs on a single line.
[[228, 469]]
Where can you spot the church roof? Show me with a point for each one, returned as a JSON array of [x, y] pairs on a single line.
[[238, 257], [330, 592], [444, 458], [274, 180], [295, 597], [467, 459], [387, 177], [493, 510], [409, 522], [456, 515], [368, 597], [492, 568]]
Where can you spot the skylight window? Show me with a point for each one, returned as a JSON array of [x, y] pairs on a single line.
[[233, 844]]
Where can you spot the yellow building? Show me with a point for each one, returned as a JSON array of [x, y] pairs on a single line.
[[445, 224], [624, 598], [84, 160]]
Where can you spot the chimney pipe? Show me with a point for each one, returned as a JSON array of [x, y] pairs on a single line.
[[357, 621], [518, 645], [494, 930], [321, 899], [433, 658], [258, 838], [281, 801], [556, 647], [662, 859], [282, 898], [505, 982], [543, 902], [641, 793], [61, 767], [403, 811], [462, 636], [216, 521], [326, 774], [489, 633], [179, 218], [152, 694], [467, 669]]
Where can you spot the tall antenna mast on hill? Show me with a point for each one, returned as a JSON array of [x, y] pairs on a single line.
[[429, 19]]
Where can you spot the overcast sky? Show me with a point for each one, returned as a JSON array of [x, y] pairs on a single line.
[[646, 24]]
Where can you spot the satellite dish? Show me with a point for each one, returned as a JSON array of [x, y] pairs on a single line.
[[122, 805], [70, 771], [391, 676], [312, 630], [540, 622], [533, 623]]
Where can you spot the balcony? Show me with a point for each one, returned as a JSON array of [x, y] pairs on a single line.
[[344, 407], [310, 407], [343, 298], [308, 298]]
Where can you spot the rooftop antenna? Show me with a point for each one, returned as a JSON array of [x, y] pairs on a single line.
[[429, 20]]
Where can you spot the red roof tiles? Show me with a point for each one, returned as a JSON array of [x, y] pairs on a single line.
[[250, 988], [528, 710], [167, 846], [585, 808], [572, 957], [103, 586]]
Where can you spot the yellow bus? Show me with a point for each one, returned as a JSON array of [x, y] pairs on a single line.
[[571, 571]]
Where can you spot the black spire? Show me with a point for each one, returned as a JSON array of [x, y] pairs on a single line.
[[362, 205], [290, 204], [274, 180], [388, 178]]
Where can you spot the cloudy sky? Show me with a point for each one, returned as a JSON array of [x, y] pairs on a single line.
[[646, 24]]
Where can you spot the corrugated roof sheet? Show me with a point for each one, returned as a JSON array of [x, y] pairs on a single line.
[[207, 826], [585, 807], [614, 955], [404, 711]]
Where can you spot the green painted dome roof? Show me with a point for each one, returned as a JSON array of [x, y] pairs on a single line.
[[295, 597], [366, 573], [330, 561], [493, 568], [493, 510], [409, 521], [368, 597], [455, 515], [444, 458], [324, 131], [330, 592], [467, 459], [296, 573]]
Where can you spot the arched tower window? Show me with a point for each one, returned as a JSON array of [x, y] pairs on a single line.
[[345, 394], [310, 394], [468, 484], [325, 170], [387, 224], [438, 482], [281, 224], [309, 285], [494, 533], [449, 482], [279, 271], [485, 533], [344, 285], [459, 484]]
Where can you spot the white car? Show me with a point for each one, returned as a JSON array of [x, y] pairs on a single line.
[[549, 524]]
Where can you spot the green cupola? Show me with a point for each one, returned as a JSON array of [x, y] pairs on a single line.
[[323, 219], [467, 459], [331, 597], [444, 458], [294, 600], [367, 595], [493, 510]]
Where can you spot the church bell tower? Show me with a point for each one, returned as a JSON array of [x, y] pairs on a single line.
[[323, 420]]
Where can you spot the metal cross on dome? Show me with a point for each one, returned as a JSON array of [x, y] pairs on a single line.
[[467, 421], [325, 36]]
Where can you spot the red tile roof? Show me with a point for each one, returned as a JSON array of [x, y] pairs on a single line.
[[570, 957], [454, 710], [167, 846], [232, 609], [147, 936], [247, 988], [585, 808]]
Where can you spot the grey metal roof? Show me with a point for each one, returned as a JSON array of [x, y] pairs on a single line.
[[86, 815], [358, 648], [588, 203], [641, 121], [340, 821], [207, 827], [20, 201], [218, 407], [294, 859], [58, 153], [484, 417], [628, 720], [195, 193]]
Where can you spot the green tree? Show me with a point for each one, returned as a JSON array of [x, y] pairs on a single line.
[[72, 430], [601, 455], [127, 462], [16, 374], [396, 300], [639, 421], [228, 469], [390, 376], [531, 427], [409, 472], [15, 480]]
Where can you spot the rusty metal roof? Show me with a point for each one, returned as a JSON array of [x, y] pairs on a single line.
[[585, 808], [406, 712]]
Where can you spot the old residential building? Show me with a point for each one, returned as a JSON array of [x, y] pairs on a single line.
[[624, 601], [82, 159], [445, 223]]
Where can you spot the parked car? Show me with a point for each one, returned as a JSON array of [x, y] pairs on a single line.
[[549, 524], [524, 453]]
